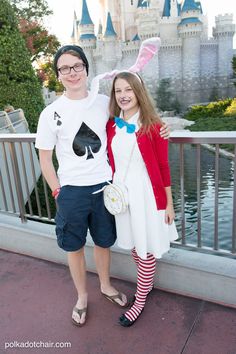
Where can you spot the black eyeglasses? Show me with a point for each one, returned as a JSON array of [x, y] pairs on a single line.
[[65, 70]]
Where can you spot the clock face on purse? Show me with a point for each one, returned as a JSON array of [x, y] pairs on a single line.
[[115, 198]]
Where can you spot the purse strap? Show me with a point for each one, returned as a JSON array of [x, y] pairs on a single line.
[[126, 172], [130, 158]]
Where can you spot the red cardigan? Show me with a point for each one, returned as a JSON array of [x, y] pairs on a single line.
[[154, 151]]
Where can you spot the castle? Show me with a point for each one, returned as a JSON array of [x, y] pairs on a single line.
[[195, 65]]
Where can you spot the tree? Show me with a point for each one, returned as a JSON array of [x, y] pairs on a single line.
[[31, 10], [214, 95], [38, 41], [165, 99], [30, 15], [19, 84], [163, 95], [48, 77], [41, 45]]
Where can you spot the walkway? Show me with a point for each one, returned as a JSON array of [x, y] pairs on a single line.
[[36, 298]]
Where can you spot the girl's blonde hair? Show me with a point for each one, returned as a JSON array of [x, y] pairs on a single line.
[[148, 116]]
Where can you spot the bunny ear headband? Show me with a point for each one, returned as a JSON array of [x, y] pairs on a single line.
[[147, 50]]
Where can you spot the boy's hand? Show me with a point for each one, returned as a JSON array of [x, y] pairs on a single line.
[[165, 131]]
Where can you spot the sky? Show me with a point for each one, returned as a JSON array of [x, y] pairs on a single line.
[[60, 23]]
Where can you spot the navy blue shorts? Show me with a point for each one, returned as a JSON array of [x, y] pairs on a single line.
[[78, 210]]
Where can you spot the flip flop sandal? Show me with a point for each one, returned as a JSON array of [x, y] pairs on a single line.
[[113, 298], [80, 313]]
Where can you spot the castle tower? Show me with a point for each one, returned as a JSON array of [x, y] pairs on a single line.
[[174, 8], [100, 34], [109, 32], [87, 38], [190, 6], [190, 30], [102, 12], [75, 35], [86, 27], [169, 20], [166, 9], [114, 7], [111, 44], [127, 22], [146, 19], [224, 31]]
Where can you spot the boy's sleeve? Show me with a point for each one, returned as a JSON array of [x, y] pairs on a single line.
[[46, 136]]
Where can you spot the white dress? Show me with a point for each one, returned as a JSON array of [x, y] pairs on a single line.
[[142, 226]]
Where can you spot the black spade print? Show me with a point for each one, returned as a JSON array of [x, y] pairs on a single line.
[[86, 142], [57, 117]]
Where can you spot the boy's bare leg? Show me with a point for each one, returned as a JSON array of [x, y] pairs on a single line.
[[77, 265], [102, 258]]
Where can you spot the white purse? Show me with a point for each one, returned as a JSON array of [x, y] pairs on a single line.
[[115, 198], [115, 195]]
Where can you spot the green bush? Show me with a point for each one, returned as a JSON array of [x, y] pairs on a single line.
[[216, 124], [19, 85], [212, 110]]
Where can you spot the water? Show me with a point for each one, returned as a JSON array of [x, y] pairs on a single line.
[[226, 184]]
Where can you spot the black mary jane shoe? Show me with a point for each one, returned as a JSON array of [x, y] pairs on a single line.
[[125, 322]]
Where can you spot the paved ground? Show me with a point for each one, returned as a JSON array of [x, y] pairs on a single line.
[[36, 298]]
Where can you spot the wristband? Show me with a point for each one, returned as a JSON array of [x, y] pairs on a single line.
[[56, 192]]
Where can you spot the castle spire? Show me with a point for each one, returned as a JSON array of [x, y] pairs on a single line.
[[86, 27], [143, 3], [85, 18], [100, 28], [174, 8], [190, 5], [136, 38], [166, 10], [74, 29], [110, 32]]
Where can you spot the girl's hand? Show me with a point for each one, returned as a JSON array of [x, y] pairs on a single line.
[[165, 131], [169, 214]]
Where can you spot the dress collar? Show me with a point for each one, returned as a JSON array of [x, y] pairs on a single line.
[[133, 119]]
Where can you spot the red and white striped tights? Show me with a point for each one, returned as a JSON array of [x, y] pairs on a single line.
[[145, 276]]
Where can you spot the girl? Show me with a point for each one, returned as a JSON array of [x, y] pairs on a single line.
[[134, 141]]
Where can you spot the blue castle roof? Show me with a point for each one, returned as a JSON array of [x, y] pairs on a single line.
[[85, 19], [143, 3], [166, 10], [189, 5], [189, 20], [110, 32], [136, 38], [179, 8], [87, 36], [199, 6]]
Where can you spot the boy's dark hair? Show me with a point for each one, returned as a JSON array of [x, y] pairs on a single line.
[[70, 48]]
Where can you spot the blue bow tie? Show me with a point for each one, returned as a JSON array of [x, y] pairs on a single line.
[[130, 128]]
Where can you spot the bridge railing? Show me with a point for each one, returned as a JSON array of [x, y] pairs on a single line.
[[24, 192]]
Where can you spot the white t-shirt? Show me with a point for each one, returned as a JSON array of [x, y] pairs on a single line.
[[79, 135]]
